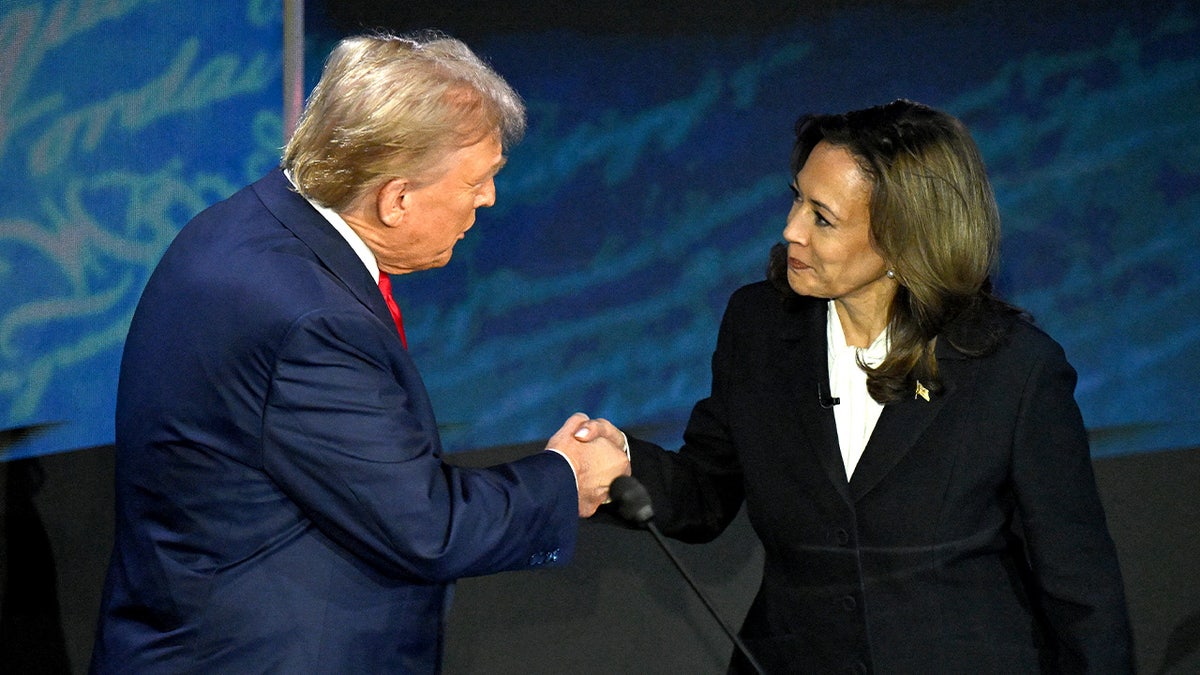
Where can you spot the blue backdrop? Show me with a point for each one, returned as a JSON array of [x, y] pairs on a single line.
[[651, 184]]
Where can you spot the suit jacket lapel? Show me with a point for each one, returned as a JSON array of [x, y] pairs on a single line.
[[901, 424], [805, 367], [334, 253], [296, 214]]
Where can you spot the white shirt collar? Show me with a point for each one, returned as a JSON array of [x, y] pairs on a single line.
[[872, 355], [855, 413], [360, 247]]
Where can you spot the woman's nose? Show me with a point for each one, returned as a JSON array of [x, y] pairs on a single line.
[[794, 231]]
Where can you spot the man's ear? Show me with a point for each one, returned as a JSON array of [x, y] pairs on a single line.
[[392, 201]]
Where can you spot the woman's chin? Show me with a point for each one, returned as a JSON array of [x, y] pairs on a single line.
[[799, 285]]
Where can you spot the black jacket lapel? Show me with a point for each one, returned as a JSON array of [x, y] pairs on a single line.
[[901, 424], [806, 368]]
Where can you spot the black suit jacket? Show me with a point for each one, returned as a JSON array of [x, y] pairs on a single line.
[[282, 505], [970, 538]]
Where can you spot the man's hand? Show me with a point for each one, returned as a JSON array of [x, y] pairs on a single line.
[[597, 462], [601, 428]]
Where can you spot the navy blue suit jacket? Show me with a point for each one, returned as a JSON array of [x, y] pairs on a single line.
[[970, 537], [282, 505]]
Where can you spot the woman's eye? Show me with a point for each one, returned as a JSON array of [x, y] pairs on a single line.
[[820, 219]]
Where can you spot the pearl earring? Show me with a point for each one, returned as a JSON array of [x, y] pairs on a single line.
[[891, 274]]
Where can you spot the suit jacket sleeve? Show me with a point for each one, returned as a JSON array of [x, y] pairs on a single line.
[[349, 438], [1071, 553], [697, 491]]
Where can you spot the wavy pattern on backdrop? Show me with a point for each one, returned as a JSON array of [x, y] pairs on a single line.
[[118, 122], [651, 184]]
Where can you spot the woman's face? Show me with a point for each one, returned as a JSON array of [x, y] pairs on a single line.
[[830, 250]]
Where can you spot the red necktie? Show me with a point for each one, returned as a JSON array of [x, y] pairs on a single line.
[[385, 287]]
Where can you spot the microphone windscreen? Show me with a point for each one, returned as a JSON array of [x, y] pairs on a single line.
[[632, 500]]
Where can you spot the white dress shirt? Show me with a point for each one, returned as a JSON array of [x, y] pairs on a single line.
[[856, 413]]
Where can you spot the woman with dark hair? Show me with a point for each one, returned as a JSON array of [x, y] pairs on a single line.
[[907, 445]]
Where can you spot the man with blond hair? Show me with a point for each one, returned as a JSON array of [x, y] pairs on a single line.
[[282, 503]]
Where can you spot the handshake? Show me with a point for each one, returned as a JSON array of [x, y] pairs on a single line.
[[596, 450]]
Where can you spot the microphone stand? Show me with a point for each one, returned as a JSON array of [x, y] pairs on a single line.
[[737, 642], [633, 503]]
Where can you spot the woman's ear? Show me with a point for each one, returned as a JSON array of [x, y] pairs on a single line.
[[392, 201]]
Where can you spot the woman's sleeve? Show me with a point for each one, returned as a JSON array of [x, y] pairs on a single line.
[[697, 491], [1071, 553]]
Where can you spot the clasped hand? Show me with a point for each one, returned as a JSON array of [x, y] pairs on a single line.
[[596, 450]]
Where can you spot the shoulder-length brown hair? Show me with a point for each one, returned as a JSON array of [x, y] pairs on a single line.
[[935, 222]]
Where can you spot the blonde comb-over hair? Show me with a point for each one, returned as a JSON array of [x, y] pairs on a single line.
[[394, 106]]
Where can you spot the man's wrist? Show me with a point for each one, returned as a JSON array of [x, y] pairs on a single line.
[[574, 471]]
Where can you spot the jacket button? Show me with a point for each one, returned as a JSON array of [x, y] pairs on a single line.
[[849, 603]]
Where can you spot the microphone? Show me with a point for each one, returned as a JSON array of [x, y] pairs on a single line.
[[633, 504], [632, 500], [826, 401]]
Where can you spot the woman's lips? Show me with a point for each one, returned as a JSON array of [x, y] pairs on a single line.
[[795, 264]]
